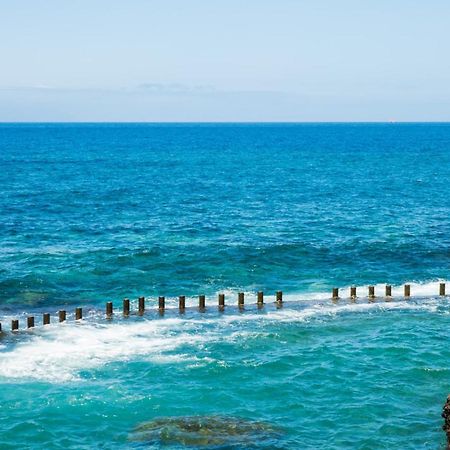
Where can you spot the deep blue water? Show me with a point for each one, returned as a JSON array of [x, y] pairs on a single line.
[[97, 212]]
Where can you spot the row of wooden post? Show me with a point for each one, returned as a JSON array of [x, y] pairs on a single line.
[[62, 315], [202, 304], [182, 303], [141, 308], [387, 292]]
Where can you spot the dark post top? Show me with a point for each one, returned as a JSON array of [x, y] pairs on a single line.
[[141, 304], [260, 297]]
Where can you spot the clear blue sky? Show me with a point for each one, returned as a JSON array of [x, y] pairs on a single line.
[[228, 60]]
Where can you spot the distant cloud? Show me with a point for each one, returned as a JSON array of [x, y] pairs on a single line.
[[26, 88], [175, 88], [155, 102], [147, 88]]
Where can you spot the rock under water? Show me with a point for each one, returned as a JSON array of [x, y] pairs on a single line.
[[204, 431]]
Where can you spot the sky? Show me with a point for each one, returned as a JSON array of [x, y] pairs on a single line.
[[224, 60]]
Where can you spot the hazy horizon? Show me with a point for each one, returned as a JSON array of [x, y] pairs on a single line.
[[225, 122], [264, 61]]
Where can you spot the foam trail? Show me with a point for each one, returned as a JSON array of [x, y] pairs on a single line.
[[428, 289], [58, 353]]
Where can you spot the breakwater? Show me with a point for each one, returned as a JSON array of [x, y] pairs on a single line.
[[160, 304]]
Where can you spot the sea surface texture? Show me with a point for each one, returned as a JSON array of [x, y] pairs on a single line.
[[95, 213]]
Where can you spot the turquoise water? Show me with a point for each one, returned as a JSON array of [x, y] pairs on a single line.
[[91, 213]]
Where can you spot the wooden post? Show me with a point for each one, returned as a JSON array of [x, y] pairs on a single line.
[[126, 307], [407, 290], [371, 292], [141, 301], [161, 303], [0, 328], [46, 319], [353, 292], [78, 314], [62, 315], [260, 300], [14, 325], [388, 292], [109, 310], [279, 297], [201, 302], [441, 288], [30, 322], [182, 302], [241, 299], [446, 416], [335, 294], [221, 301]]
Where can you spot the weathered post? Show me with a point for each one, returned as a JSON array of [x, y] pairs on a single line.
[[126, 307], [182, 302], [78, 314], [14, 325], [407, 290], [46, 319], [335, 294], [62, 315], [260, 300], [141, 303], [279, 297], [388, 291], [353, 292], [0, 328], [241, 299], [221, 301], [30, 322], [161, 303], [446, 415], [109, 310], [201, 302], [371, 292], [442, 289]]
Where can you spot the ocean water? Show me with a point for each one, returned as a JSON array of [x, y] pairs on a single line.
[[91, 213]]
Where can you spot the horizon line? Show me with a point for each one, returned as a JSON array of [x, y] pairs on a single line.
[[175, 122]]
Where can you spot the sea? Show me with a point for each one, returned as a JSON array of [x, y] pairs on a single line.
[[95, 213]]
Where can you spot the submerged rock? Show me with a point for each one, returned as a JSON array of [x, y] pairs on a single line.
[[204, 431]]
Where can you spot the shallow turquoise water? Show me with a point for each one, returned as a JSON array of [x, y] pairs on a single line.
[[91, 213]]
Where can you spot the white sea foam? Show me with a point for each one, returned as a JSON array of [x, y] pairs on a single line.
[[429, 289], [60, 352]]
